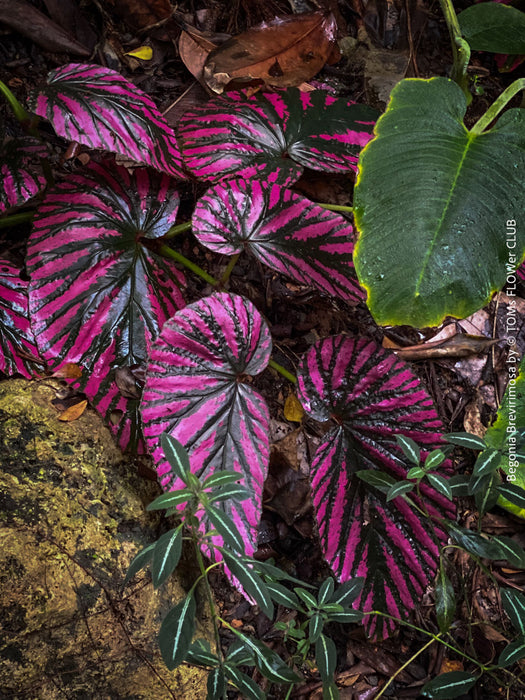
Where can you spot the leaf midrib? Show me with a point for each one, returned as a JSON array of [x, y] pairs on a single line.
[[470, 138]]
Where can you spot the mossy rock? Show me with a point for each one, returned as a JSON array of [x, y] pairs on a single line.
[[71, 519]]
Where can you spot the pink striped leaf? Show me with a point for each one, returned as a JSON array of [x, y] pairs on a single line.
[[372, 396], [284, 230], [98, 108], [195, 391], [21, 175], [17, 344], [97, 296], [274, 136]]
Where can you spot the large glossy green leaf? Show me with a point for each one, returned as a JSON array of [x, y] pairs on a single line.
[[432, 202], [492, 26]]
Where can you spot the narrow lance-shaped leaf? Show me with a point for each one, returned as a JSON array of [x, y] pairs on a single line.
[[284, 230], [274, 135], [97, 296], [373, 396], [445, 600], [99, 108], [177, 630], [21, 175], [448, 686], [18, 352], [194, 392], [166, 555]]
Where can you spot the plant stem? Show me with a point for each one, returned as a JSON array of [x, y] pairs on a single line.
[[19, 112], [209, 595], [179, 228], [228, 270], [279, 368], [335, 207], [16, 219], [407, 663], [460, 48], [168, 252], [495, 108]]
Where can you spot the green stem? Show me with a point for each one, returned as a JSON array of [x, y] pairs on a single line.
[[19, 112], [179, 228], [168, 252], [495, 108], [335, 207], [460, 48], [407, 663], [279, 368], [15, 219], [227, 272], [215, 619]]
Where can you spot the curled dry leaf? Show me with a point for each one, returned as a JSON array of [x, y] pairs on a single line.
[[459, 345], [283, 53], [194, 49]]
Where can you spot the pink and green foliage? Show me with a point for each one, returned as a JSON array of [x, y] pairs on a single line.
[[372, 395], [98, 297], [21, 175], [284, 230], [274, 136], [98, 108], [195, 392], [17, 344]]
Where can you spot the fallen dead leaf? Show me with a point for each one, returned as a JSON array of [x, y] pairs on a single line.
[[293, 411], [285, 52], [73, 412], [449, 665], [459, 345], [70, 370], [194, 49]]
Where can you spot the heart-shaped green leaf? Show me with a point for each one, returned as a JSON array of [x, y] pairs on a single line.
[[433, 204]]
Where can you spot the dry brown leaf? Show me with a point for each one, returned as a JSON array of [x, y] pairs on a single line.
[[194, 49], [68, 371], [285, 52], [459, 345], [141, 14], [73, 412], [293, 411]]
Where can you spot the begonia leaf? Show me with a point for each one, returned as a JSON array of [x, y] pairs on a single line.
[[372, 395], [99, 108], [284, 230], [195, 391], [274, 136], [18, 353], [21, 175], [97, 296]]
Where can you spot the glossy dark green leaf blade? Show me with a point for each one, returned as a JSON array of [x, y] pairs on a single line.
[[473, 442], [513, 493], [282, 595], [445, 256], [326, 590], [216, 684], [176, 632], [513, 652], [399, 489], [440, 484], [315, 627], [325, 657], [172, 499], [225, 527], [449, 686], [176, 456], [475, 543], [348, 592], [410, 448], [247, 686], [491, 26], [515, 554], [200, 653], [445, 600], [250, 580], [269, 662], [487, 462], [139, 561], [166, 555], [514, 605]]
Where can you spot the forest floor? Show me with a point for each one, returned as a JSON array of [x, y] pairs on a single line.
[[466, 390]]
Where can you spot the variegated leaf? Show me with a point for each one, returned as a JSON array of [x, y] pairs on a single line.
[[17, 343], [195, 392], [99, 108], [21, 175], [372, 395], [284, 230], [274, 136], [98, 297]]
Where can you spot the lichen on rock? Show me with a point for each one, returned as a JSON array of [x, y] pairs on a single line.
[[72, 517]]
